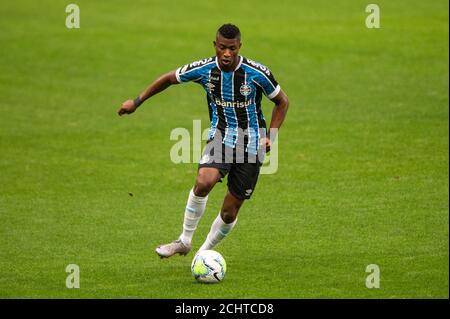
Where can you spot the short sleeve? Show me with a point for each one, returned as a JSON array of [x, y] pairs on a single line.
[[268, 83], [265, 79], [193, 71]]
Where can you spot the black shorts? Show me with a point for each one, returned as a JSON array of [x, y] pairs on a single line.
[[242, 172]]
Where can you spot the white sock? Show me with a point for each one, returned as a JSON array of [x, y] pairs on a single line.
[[219, 230], [194, 210]]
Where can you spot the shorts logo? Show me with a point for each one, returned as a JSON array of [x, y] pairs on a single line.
[[245, 89], [204, 159], [248, 192]]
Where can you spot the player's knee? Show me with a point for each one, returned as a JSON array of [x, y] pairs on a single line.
[[228, 216], [202, 187]]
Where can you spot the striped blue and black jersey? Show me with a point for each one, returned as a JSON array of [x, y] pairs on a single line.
[[234, 99]]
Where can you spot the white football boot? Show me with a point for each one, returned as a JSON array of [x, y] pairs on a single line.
[[175, 247]]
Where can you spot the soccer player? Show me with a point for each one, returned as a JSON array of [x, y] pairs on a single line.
[[237, 140]]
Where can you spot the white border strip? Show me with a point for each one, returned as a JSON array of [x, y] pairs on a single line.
[[275, 92]]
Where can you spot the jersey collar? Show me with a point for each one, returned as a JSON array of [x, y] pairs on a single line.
[[237, 66]]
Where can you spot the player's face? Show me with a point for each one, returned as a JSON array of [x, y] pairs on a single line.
[[227, 51]]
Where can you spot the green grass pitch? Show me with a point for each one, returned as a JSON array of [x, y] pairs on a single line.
[[363, 169]]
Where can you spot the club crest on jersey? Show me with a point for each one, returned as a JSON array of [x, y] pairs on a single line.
[[245, 89]]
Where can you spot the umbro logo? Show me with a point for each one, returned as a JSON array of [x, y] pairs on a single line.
[[205, 159], [210, 86]]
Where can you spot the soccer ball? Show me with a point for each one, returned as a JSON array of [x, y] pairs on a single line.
[[208, 266]]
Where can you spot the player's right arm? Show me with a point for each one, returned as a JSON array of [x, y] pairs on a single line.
[[160, 84]]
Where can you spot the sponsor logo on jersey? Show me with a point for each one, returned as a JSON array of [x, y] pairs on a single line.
[[259, 66], [183, 69], [245, 89], [232, 104], [200, 62], [214, 78], [195, 64]]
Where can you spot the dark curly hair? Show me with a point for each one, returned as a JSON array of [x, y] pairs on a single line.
[[229, 31]]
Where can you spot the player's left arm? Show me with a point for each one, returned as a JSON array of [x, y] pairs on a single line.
[[272, 90], [279, 111]]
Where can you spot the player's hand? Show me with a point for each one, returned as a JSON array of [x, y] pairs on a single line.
[[265, 142], [127, 107]]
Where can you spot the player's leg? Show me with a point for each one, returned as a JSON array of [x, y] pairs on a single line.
[[242, 180], [207, 177], [224, 222]]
